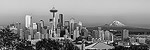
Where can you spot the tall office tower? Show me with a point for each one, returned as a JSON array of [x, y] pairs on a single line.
[[51, 34], [53, 10], [29, 37], [112, 37], [67, 28], [21, 34], [51, 23], [76, 33], [38, 35], [101, 34], [45, 31], [66, 23], [42, 25], [61, 19], [38, 27], [18, 26], [125, 34], [28, 21], [28, 25], [76, 25], [34, 25], [72, 21], [95, 33], [80, 26], [34, 28], [58, 32], [107, 35], [58, 25], [31, 32], [26, 33], [84, 32]]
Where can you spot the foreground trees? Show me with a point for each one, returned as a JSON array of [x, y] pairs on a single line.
[[7, 38], [49, 44]]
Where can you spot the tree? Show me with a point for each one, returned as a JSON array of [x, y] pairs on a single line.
[[7, 37], [48, 44]]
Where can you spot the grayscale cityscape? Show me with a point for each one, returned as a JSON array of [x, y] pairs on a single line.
[[74, 25]]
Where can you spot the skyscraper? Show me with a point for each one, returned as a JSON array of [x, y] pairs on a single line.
[[51, 23], [21, 34], [18, 26], [76, 33], [28, 21], [80, 26], [72, 21], [38, 27], [28, 25], [51, 28], [31, 32], [101, 34], [107, 35], [61, 19], [125, 34], [42, 23], [34, 25], [67, 23]]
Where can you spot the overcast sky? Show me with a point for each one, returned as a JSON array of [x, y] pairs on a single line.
[[90, 12]]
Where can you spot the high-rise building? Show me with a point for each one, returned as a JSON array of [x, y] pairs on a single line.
[[107, 35], [66, 23], [58, 32], [125, 34], [76, 25], [72, 21], [45, 31], [38, 27], [26, 33], [29, 37], [42, 23], [61, 19], [51, 23], [18, 26], [67, 29], [31, 32], [50, 33], [28, 21], [34, 25], [84, 32], [21, 34], [95, 34], [59, 24], [101, 35], [76, 33], [38, 35], [80, 26]]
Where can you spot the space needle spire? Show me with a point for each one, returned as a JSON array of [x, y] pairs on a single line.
[[53, 10]]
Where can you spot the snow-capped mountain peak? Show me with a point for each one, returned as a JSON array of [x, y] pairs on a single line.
[[116, 23]]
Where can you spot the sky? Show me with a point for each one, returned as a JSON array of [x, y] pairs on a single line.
[[90, 12]]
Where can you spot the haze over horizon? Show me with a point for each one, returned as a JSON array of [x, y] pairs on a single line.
[[90, 12]]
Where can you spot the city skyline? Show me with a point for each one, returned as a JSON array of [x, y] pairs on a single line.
[[91, 13]]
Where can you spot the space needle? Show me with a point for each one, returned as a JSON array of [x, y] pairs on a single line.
[[53, 10]]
